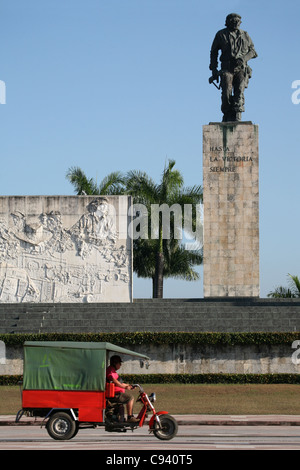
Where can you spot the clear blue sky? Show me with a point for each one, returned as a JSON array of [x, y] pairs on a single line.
[[123, 84]]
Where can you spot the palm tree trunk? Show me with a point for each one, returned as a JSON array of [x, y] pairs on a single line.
[[153, 287], [159, 267], [159, 276]]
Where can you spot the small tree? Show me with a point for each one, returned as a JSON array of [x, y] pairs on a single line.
[[293, 291]]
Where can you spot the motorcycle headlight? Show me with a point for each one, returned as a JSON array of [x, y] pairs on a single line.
[[152, 397]]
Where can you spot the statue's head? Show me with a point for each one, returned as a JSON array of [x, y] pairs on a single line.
[[233, 21]]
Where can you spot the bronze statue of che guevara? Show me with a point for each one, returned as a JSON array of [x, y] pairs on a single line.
[[236, 49]]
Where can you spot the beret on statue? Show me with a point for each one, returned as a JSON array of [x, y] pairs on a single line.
[[231, 16]]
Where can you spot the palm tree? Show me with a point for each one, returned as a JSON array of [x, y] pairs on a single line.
[[156, 258], [293, 291], [112, 184], [178, 262], [160, 257]]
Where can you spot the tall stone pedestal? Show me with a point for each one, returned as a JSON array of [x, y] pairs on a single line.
[[231, 210]]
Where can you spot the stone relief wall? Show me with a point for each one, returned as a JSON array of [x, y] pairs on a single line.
[[65, 249]]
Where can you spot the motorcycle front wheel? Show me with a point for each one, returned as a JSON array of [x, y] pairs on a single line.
[[168, 430]]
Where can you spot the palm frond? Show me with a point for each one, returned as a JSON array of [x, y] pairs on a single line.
[[81, 183], [112, 184], [295, 285], [141, 187], [180, 264]]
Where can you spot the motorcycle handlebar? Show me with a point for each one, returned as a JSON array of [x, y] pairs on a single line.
[[137, 385]]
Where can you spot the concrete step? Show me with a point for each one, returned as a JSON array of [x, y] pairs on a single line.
[[231, 315]]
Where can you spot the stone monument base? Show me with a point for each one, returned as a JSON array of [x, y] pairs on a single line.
[[231, 212]]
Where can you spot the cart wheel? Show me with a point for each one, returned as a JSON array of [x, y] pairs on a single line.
[[169, 428], [61, 426]]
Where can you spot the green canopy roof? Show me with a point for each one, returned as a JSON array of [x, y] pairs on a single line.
[[84, 345], [68, 365]]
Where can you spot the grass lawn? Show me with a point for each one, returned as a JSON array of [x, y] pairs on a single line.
[[201, 399], [228, 399]]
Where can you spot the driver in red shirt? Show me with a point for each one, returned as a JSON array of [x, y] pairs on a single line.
[[122, 395]]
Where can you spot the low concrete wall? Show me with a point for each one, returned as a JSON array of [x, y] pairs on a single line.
[[185, 359], [168, 315]]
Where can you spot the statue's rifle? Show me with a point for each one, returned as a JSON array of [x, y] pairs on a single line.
[[213, 78]]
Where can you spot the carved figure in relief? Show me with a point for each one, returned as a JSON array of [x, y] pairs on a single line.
[[97, 224], [29, 231], [59, 239], [95, 228]]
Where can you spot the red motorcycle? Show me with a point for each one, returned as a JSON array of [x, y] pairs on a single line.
[[163, 425], [65, 384]]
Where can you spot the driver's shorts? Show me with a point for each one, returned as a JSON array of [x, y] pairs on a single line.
[[121, 397]]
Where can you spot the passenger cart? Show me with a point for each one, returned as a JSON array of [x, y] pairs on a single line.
[[65, 384]]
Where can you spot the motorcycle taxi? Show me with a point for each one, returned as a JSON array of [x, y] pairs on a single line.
[[64, 382]]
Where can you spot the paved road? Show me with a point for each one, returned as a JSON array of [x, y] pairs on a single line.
[[189, 438]]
